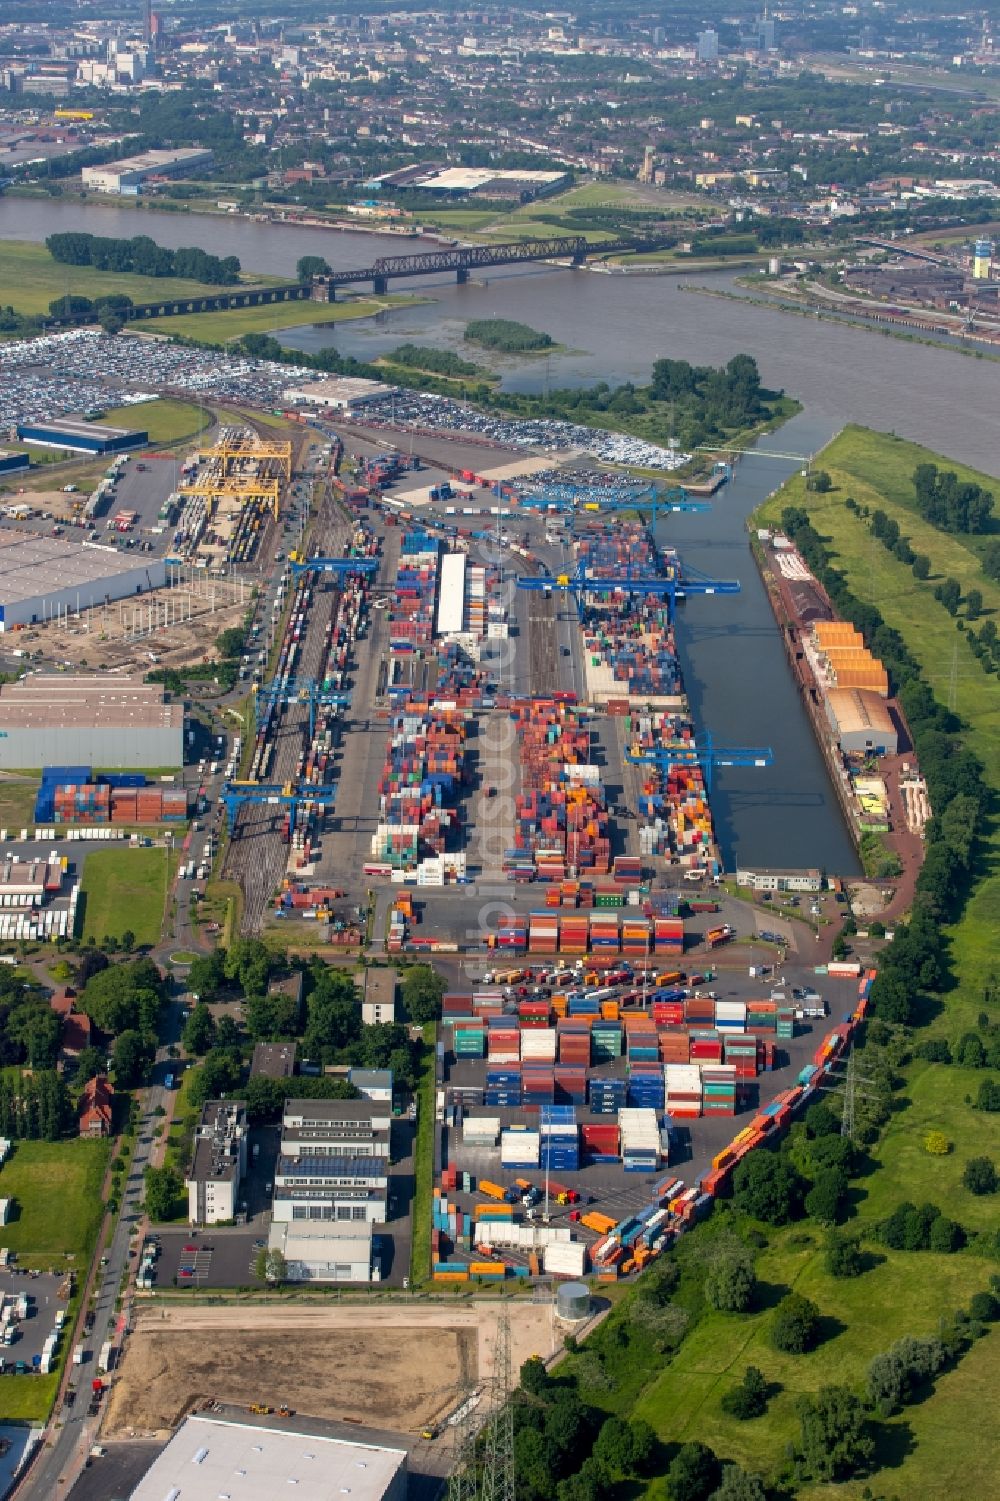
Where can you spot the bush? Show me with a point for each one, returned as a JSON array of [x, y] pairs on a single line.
[[767, 1187], [933, 1050], [730, 1280], [985, 1307], [694, 1473], [937, 1144], [795, 1326], [842, 1257], [980, 1176]]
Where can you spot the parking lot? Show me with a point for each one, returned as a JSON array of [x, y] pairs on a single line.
[[43, 1292], [83, 370]]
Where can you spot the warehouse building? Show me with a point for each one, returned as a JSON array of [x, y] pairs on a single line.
[[325, 1252], [42, 578], [861, 721], [89, 721], [219, 1162], [13, 463], [340, 393], [128, 175], [215, 1454], [80, 437]]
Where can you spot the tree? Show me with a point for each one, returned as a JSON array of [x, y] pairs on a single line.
[[946, 1236], [767, 1187], [842, 1257], [835, 1439], [199, 1030], [163, 1190], [132, 1059], [973, 604], [949, 593], [988, 1095], [70, 307], [422, 991], [90, 1061], [271, 1018], [250, 962], [535, 1378], [613, 1449], [207, 975], [936, 1144], [819, 481], [694, 1473], [124, 996], [795, 1326], [730, 1280], [218, 1076], [308, 266], [826, 1200], [738, 1485], [749, 1399], [985, 1307], [970, 1051], [110, 321], [980, 1176], [895, 1376], [229, 643]]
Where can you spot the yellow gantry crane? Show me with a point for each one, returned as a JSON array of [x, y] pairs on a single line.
[[239, 487], [231, 451]]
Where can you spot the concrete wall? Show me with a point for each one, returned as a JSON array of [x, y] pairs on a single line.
[[128, 749]]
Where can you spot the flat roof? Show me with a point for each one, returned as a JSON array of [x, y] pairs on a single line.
[[57, 701], [209, 1457], [451, 594], [380, 985], [81, 429], [216, 1156], [150, 160], [273, 1060], [340, 388], [32, 566]]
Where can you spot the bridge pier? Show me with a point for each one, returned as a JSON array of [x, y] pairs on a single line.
[[380, 285], [462, 275]]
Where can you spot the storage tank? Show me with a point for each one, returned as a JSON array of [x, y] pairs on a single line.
[[573, 1302]]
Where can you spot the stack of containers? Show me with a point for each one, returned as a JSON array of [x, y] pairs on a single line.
[[604, 936], [573, 1035], [668, 1013], [538, 1044], [741, 1053], [560, 1138], [718, 1091], [503, 1087], [600, 1142], [705, 1045], [640, 1140], [573, 934], [538, 1085], [469, 1039], [411, 612], [683, 1090], [668, 935], [607, 1096], [628, 872], [605, 1041], [645, 1086], [503, 1040], [761, 1016], [533, 1014], [571, 1084], [85, 803], [731, 1016], [785, 1023], [641, 1043], [675, 1047], [519, 1148], [543, 933], [512, 934], [700, 1010]]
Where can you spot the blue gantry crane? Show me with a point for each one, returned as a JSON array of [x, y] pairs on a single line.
[[236, 794], [670, 588], [339, 566], [294, 690], [657, 504], [704, 753]]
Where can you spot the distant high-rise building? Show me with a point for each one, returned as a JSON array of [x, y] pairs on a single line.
[[657, 36], [982, 260], [765, 33], [648, 165], [708, 46]]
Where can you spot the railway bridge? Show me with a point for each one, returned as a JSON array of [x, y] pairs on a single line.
[[460, 258]]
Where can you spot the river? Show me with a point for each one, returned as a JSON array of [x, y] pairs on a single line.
[[613, 328]]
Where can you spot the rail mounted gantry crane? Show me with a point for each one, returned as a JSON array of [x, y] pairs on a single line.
[[703, 753], [281, 794], [296, 691], [596, 500], [670, 588], [231, 451], [237, 486]]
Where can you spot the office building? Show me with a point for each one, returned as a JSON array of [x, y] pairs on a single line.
[[708, 46], [219, 1162]]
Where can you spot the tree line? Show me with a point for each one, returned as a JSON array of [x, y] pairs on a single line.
[[141, 256], [949, 504]]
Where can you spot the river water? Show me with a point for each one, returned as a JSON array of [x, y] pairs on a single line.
[[612, 328]]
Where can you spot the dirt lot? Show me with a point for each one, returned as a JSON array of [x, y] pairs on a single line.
[[389, 1367]]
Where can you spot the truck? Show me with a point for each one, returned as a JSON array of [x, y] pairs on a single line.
[[106, 1358], [79, 1354], [715, 936]]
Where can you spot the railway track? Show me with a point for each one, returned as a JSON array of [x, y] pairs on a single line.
[[257, 855], [542, 643]]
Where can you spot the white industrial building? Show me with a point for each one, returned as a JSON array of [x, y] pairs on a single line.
[[343, 393], [451, 594], [52, 718], [335, 1128], [344, 1190], [316, 1252], [219, 1163], [128, 175], [43, 578], [214, 1455]]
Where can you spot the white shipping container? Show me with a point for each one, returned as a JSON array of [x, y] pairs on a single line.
[[566, 1259], [504, 1233]]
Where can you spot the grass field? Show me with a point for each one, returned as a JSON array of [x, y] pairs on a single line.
[[220, 328], [17, 801], [30, 279], [166, 421], [57, 1185], [423, 1164], [126, 889]]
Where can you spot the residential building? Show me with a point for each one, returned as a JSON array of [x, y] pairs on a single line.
[[378, 1003], [219, 1162], [96, 1107], [273, 1060]]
